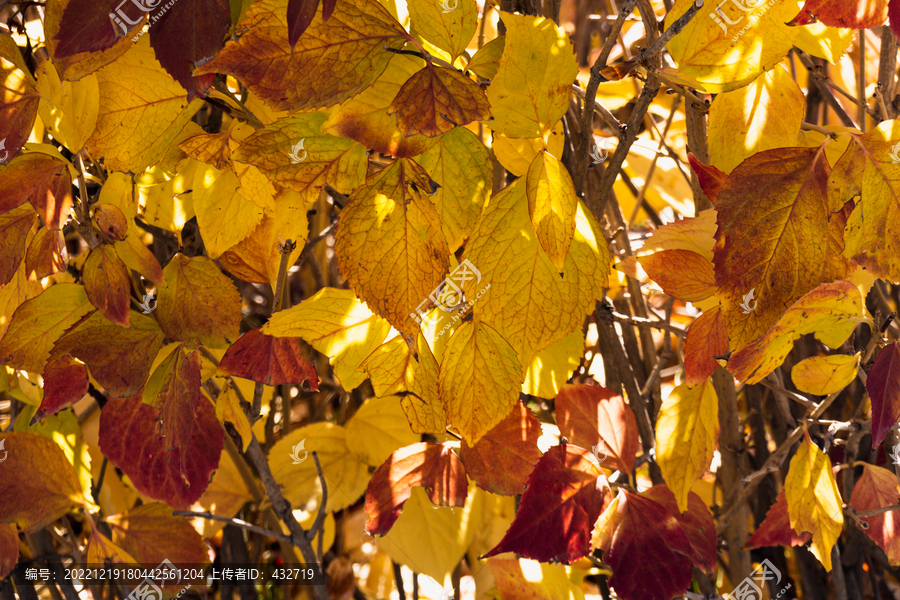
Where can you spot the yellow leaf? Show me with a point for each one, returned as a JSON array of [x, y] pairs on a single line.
[[338, 325], [379, 428], [430, 539], [461, 165], [823, 375], [13, 294], [346, 477], [696, 234], [70, 108], [526, 300], [165, 200], [226, 494], [39, 322], [686, 433], [294, 152], [364, 117], [551, 367], [814, 503], [551, 203], [728, 45], [823, 41], [531, 89], [393, 369], [355, 37], [480, 380], [517, 154], [525, 578], [390, 246], [64, 429], [831, 310], [101, 550], [765, 114], [210, 148], [450, 30], [437, 99], [486, 61], [134, 130], [228, 408], [224, 214]]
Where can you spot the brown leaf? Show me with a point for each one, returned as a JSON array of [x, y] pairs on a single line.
[[776, 529], [563, 498], [697, 524], [590, 415], [46, 255], [19, 98], [437, 99], [43, 181], [65, 383], [111, 221], [705, 339], [14, 228], [118, 358], [128, 439], [501, 461], [210, 148], [108, 284], [432, 466], [270, 360], [878, 488]]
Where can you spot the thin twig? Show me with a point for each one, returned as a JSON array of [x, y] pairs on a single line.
[[236, 522], [673, 30], [318, 526]]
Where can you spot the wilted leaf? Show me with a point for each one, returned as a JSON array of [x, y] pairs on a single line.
[[37, 324], [531, 89], [128, 438], [823, 375], [646, 547], [198, 302], [562, 500], [592, 416], [435, 100], [776, 529], [431, 466], [270, 360], [814, 503], [480, 380], [356, 36], [379, 428], [390, 247], [706, 338], [37, 483], [876, 489], [504, 458], [883, 386], [696, 522], [119, 359], [682, 274], [686, 433]]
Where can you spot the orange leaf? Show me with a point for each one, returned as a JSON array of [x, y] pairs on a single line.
[[43, 181], [9, 548], [682, 274], [849, 14], [46, 254], [878, 488], [111, 221], [711, 179], [65, 383], [37, 483], [432, 466], [501, 461], [776, 529], [705, 339], [435, 100], [151, 534], [108, 284], [590, 415], [270, 360], [119, 359], [356, 37], [14, 228]]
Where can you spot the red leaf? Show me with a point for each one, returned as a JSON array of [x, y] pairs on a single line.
[[711, 179], [849, 14], [697, 524], [883, 385], [119, 359], [590, 415], [502, 460], [107, 282], [128, 439], [894, 16], [562, 501], [267, 359], [300, 14], [65, 383], [706, 338], [646, 548], [86, 25], [179, 396], [878, 488], [186, 34], [432, 466], [776, 529]]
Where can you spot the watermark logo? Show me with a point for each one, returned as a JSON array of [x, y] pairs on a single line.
[[147, 590], [448, 295], [295, 152], [745, 6], [146, 307], [596, 451], [895, 153], [295, 452], [895, 454], [2, 442], [751, 587], [447, 7], [5, 153], [121, 22], [600, 152], [433, 589], [745, 305]]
